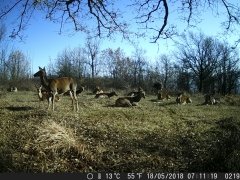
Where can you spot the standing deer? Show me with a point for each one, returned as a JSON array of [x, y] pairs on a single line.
[[58, 86]]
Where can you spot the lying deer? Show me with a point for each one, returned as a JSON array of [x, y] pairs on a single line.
[[106, 94], [134, 93], [97, 90], [58, 86], [161, 95], [129, 101], [209, 99], [183, 99], [13, 89]]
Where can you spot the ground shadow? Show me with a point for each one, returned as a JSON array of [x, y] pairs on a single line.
[[19, 108]]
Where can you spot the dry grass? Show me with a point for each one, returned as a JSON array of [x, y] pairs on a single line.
[[154, 136]]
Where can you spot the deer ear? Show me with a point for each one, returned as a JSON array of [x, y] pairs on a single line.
[[44, 68], [39, 67]]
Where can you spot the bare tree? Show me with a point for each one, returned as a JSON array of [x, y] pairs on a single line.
[[138, 66], [107, 18], [3, 67], [212, 65], [3, 53], [79, 60], [109, 56], [152, 78], [199, 54], [3, 31], [18, 66], [64, 64], [92, 51], [228, 70], [119, 66], [166, 70], [51, 67], [183, 79], [70, 62]]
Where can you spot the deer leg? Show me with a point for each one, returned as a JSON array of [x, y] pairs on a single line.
[[49, 99], [76, 99], [53, 100], [71, 95]]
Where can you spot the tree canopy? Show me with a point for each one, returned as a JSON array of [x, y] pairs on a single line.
[[105, 18]]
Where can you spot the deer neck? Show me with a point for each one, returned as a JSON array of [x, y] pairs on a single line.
[[44, 82]]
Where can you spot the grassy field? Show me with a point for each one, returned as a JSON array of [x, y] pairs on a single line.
[[151, 137]]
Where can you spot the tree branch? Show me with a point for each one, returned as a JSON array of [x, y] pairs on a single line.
[[10, 9], [190, 11], [20, 26], [149, 14], [164, 22], [231, 17], [70, 15]]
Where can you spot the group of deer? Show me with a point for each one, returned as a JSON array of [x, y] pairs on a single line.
[[182, 98], [53, 87], [162, 94], [68, 85], [130, 100]]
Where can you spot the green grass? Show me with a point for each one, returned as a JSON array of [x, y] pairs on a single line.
[[151, 137]]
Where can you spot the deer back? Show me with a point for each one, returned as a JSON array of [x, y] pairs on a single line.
[[62, 85]]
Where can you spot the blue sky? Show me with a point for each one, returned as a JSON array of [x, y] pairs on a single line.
[[43, 41]]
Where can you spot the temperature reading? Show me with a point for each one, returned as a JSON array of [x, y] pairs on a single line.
[[113, 176], [134, 175]]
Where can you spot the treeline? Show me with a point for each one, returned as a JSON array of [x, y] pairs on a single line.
[[15, 68], [198, 64]]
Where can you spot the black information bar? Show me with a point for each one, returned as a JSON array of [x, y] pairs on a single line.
[[122, 176]]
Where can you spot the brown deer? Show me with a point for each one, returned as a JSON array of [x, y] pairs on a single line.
[[163, 94], [183, 99], [209, 99], [134, 93], [97, 90], [104, 94], [13, 89], [129, 101], [58, 86], [79, 91]]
